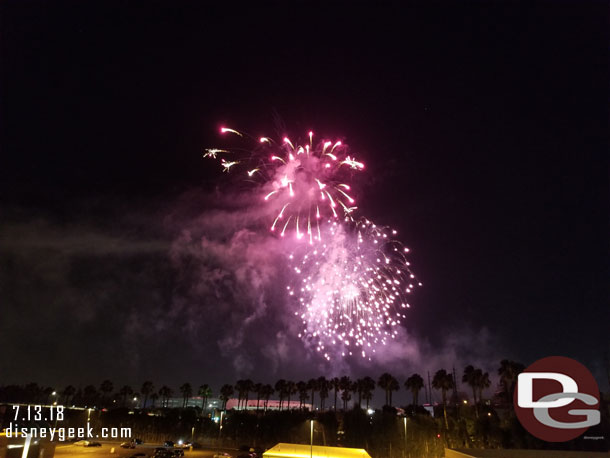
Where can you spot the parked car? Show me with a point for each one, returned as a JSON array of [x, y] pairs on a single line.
[[168, 444], [93, 444], [138, 441], [81, 442], [128, 445], [162, 452], [248, 452]]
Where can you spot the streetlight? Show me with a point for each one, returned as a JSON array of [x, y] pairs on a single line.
[[222, 412], [311, 439], [405, 436]]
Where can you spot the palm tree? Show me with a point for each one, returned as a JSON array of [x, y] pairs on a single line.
[[473, 377], [291, 388], [359, 385], [106, 388], [508, 372], [367, 396], [470, 377], [124, 392], [346, 394], [323, 387], [389, 384], [187, 392], [77, 398], [483, 383], [32, 392], [355, 389], [68, 393], [267, 391], [249, 386], [280, 387], [226, 391], [47, 392], [312, 385], [345, 383], [364, 388], [257, 388], [444, 382], [153, 398], [165, 392], [90, 395], [205, 392], [367, 390], [336, 385], [303, 393], [146, 390], [415, 383], [241, 386]]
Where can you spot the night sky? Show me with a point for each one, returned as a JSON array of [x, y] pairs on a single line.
[[484, 127]]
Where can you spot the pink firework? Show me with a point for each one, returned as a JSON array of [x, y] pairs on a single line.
[[301, 184], [351, 288]]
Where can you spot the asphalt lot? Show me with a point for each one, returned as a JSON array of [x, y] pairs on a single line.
[[78, 451]]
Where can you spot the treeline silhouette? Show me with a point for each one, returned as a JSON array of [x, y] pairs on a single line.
[[339, 407], [314, 392]]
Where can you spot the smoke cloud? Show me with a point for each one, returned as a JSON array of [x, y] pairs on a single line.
[[199, 295]]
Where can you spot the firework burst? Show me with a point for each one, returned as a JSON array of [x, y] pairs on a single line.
[[301, 184], [352, 289], [351, 286]]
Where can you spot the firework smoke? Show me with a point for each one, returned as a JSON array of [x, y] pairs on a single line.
[[352, 277]]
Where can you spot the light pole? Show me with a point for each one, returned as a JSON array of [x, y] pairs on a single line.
[[405, 436], [311, 439], [222, 412]]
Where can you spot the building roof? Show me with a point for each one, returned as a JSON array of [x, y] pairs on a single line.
[[304, 451]]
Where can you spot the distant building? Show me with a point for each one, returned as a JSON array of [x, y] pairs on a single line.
[[195, 401], [216, 404], [429, 408], [271, 404]]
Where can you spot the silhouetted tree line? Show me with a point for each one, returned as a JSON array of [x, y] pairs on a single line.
[[340, 412]]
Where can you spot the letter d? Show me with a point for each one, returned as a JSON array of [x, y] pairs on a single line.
[[525, 383]]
